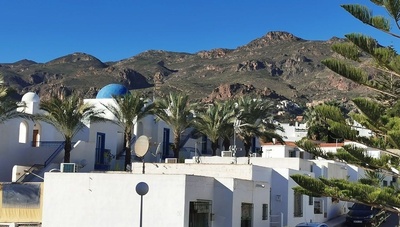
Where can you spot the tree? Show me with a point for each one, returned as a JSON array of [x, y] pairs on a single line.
[[255, 120], [366, 62], [68, 116], [322, 122], [212, 120], [175, 110], [8, 107], [227, 131], [128, 110]]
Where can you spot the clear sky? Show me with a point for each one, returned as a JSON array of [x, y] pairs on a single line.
[[41, 30]]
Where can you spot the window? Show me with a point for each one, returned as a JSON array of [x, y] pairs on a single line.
[[318, 207], [23, 132], [292, 153], [310, 200], [298, 205], [247, 214], [265, 212]]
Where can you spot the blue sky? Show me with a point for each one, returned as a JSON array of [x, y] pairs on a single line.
[[115, 30]]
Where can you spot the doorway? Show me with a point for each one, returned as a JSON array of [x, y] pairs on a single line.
[[247, 215], [199, 214], [166, 142], [35, 138], [100, 152]]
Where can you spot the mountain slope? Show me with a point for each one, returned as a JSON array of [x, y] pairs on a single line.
[[278, 65]]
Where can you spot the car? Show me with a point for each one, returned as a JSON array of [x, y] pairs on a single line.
[[364, 215], [312, 224]]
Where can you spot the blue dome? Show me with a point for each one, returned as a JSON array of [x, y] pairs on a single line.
[[108, 91]]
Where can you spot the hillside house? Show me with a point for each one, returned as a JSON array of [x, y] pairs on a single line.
[[219, 191]]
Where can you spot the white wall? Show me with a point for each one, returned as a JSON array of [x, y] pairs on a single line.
[[274, 151], [290, 163], [288, 197], [293, 132], [245, 172], [331, 170], [110, 199], [14, 153], [249, 192], [105, 199]]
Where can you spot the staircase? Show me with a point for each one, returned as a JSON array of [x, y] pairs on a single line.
[[36, 172]]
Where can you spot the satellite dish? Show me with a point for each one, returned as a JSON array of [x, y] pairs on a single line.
[[141, 146]]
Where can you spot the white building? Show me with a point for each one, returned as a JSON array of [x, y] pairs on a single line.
[[214, 191], [38, 146], [110, 199], [293, 131]]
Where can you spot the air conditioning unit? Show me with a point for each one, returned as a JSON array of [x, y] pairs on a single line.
[[255, 155], [171, 160], [68, 167], [226, 153]]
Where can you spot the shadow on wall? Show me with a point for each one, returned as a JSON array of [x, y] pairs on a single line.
[[224, 216]]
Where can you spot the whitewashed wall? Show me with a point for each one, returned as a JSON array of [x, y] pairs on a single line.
[[293, 132], [109, 199], [12, 152], [290, 163], [245, 172], [285, 192], [104, 199], [274, 151]]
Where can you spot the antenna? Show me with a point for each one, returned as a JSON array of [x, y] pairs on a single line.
[[158, 151]]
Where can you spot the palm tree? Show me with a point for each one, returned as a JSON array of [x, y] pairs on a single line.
[[175, 110], [212, 120], [68, 116], [228, 129], [8, 107], [255, 117], [127, 110]]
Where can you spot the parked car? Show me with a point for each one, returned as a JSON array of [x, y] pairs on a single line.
[[312, 224], [363, 215]]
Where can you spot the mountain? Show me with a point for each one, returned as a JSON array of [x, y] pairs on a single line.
[[278, 65]]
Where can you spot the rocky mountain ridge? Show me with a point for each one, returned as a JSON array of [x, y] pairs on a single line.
[[278, 65]]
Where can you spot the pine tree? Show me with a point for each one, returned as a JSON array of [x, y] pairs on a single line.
[[377, 67]]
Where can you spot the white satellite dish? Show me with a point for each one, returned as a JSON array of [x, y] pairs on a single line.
[[141, 146]]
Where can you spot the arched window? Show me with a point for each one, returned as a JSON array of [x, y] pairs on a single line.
[[23, 132]]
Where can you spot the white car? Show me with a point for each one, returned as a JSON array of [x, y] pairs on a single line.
[[312, 224]]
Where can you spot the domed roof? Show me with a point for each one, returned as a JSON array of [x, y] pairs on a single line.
[[111, 90], [30, 97]]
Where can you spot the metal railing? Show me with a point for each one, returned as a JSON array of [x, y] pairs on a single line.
[[46, 143], [122, 153], [54, 154], [36, 167], [28, 171]]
